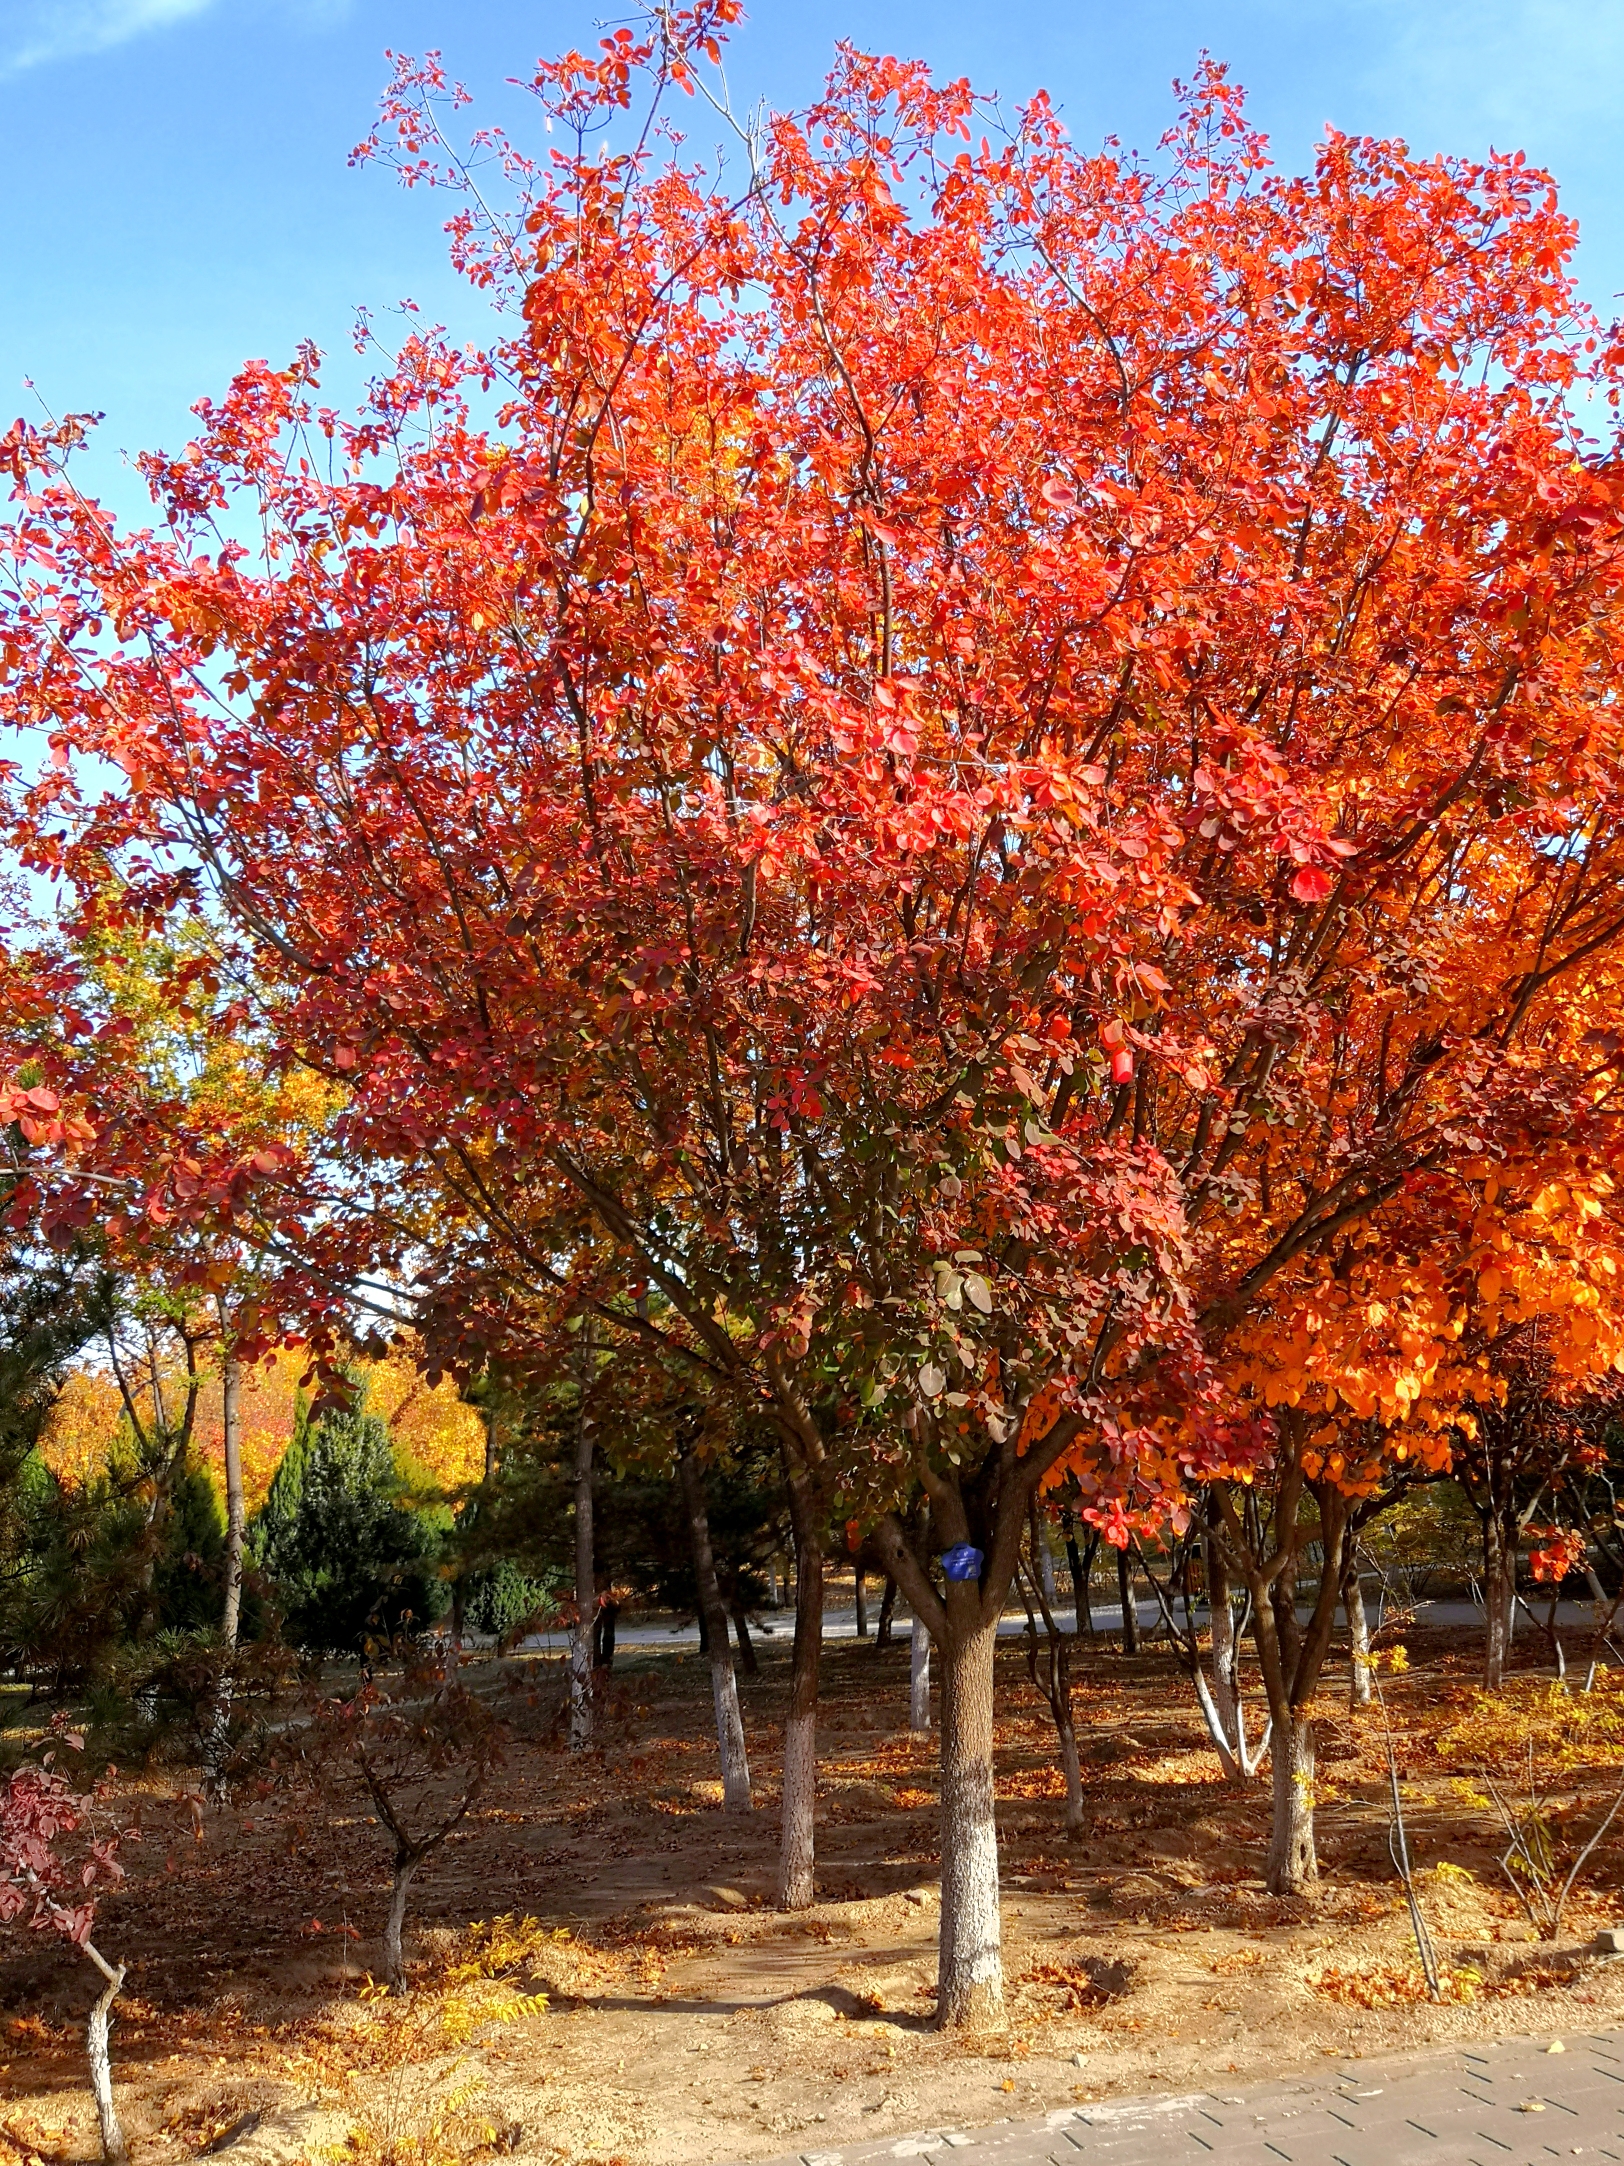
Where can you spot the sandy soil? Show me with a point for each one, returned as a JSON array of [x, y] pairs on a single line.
[[686, 2021]]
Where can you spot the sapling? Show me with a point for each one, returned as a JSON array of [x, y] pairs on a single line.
[[54, 1863], [422, 1751]]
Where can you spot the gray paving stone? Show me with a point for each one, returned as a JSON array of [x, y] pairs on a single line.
[[1460, 2106]]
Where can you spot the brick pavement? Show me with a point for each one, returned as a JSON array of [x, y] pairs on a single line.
[[1510, 2104]]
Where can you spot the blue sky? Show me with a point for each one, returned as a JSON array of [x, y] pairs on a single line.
[[178, 196]]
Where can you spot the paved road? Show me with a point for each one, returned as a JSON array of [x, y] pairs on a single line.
[[841, 1624], [1512, 2104]]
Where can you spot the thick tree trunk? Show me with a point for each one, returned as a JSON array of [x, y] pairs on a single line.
[[1353, 1602], [919, 1677], [970, 1980], [394, 1957], [1293, 1867], [888, 1604], [586, 1573], [724, 1685], [861, 1604], [114, 2148], [798, 1842], [1130, 1615]]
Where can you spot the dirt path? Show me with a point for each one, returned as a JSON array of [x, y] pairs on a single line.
[[687, 2022]]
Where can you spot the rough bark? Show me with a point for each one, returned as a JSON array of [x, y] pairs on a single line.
[[724, 1684], [394, 1957], [1293, 1867], [970, 1978], [919, 1677], [797, 1848], [114, 2148]]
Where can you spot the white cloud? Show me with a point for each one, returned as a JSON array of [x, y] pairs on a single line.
[[36, 31]]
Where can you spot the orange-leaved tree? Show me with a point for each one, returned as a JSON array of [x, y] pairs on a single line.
[[921, 772]]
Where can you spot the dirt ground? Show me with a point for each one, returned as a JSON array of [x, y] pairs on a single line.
[[684, 2020]]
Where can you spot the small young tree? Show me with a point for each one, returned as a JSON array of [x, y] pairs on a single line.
[[55, 1861], [421, 1750]]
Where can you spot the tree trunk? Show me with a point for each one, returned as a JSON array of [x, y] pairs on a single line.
[[586, 1573], [1055, 1683], [236, 1520], [394, 1960], [919, 1677], [1224, 1693], [724, 1685], [888, 1604], [603, 1654], [1293, 1867], [1084, 1616], [861, 1604], [1130, 1615], [114, 2148], [741, 1630], [1045, 1566], [797, 1848], [1499, 1596], [1066, 1730], [970, 1979], [231, 1616], [1353, 1601]]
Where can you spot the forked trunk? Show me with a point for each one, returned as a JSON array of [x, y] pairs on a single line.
[[970, 1978], [114, 2148], [1353, 1601], [1293, 1867], [859, 1596], [919, 1677], [797, 1839], [724, 1685], [394, 1958]]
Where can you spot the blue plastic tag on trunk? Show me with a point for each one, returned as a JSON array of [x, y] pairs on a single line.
[[962, 1561]]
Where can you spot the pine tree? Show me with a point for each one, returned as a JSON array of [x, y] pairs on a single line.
[[346, 1558]]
